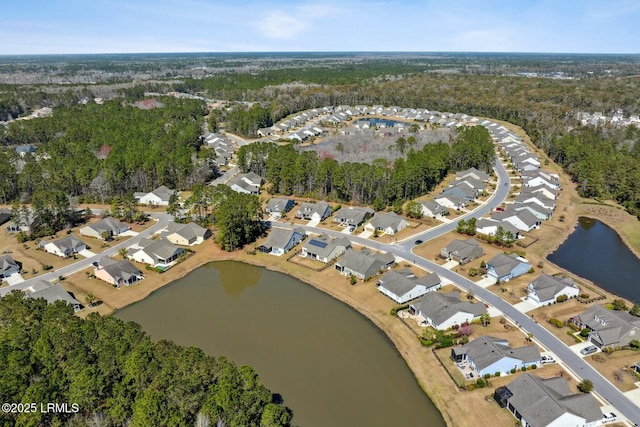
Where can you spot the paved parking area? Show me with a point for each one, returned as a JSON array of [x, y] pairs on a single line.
[[487, 281], [14, 279], [365, 234], [86, 253], [450, 264], [525, 306], [313, 223], [129, 233]]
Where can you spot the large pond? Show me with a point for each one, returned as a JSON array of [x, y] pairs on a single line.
[[331, 365], [596, 252]]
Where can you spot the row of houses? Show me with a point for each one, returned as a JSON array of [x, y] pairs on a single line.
[[221, 145]]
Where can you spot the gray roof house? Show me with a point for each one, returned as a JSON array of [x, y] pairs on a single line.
[[64, 247], [117, 273], [353, 215], [538, 402], [442, 311], [490, 227], [158, 197], [388, 223], [535, 209], [8, 266], [451, 201], [523, 220], [108, 226], [23, 150], [281, 240], [433, 209], [362, 264], [505, 267], [51, 293], [609, 328], [279, 205], [544, 289], [325, 248], [461, 190], [157, 253], [473, 173], [314, 211], [403, 288], [476, 184], [463, 251], [488, 355], [241, 184], [185, 234]]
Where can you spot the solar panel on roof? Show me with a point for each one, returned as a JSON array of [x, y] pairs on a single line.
[[318, 243]]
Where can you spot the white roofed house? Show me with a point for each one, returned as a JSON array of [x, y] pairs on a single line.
[[403, 286], [324, 248], [107, 227], [281, 240], [443, 311], [388, 223], [185, 234], [544, 289], [158, 197], [157, 253], [64, 247]]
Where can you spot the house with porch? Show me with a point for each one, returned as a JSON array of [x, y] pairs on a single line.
[[609, 328], [64, 247], [324, 248], [404, 286], [105, 228], [156, 253], [535, 209], [544, 289], [8, 266], [463, 191], [506, 267], [158, 197], [281, 240], [363, 264], [444, 310], [388, 223], [451, 201], [117, 273], [463, 251], [189, 234], [542, 402], [315, 212], [353, 215], [433, 209], [488, 355], [279, 205], [490, 227]]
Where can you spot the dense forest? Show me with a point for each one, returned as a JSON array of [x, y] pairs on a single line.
[[116, 375], [305, 174]]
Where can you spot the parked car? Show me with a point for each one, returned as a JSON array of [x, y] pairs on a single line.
[[417, 242], [589, 350]]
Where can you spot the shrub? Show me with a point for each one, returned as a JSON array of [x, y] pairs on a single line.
[[573, 326], [513, 370], [395, 310], [556, 322], [562, 298], [584, 296], [498, 373], [487, 376], [523, 369], [585, 332], [47, 267], [531, 270], [480, 383], [585, 386], [534, 366]]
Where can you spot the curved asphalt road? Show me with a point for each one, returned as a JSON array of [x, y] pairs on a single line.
[[574, 362]]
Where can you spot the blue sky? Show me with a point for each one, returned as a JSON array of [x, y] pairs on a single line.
[[122, 26]]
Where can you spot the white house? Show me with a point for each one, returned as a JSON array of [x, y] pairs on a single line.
[[158, 197], [488, 355], [403, 288], [451, 201], [389, 223], [107, 227], [433, 209], [185, 234], [545, 289], [157, 253], [281, 240], [443, 311], [65, 247], [325, 248]]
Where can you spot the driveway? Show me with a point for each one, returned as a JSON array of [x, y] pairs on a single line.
[[130, 233], [525, 306], [450, 264], [365, 234], [14, 278], [86, 253], [313, 223], [487, 281]]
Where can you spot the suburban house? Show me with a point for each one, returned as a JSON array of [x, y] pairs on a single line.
[[157, 253], [537, 198], [314, 211], [185, 234], [248, 183], [107, 227], [609, 328], [281, 240], [8, 266], [451, 201], [325, 248], [443, 311], [488, 355], [23, 150], [403, 287], [506, 267], [463, 251], [462, 191], [5, 216], [476, 184], [540, 189], [535, 209], [433, 209], [541, 402], [523, 220], [279, 205], [473, 173], [51, 293], [363, 265], [545, 289], [489, 227], [158, 197], [27, 223], [117, 273], [64, 247], [353, 215], [388, 223]]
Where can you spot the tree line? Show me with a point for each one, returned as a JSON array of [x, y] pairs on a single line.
[[116, 375], [291, 172]]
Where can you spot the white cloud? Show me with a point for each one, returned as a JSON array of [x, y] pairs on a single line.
[[281, 25]]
